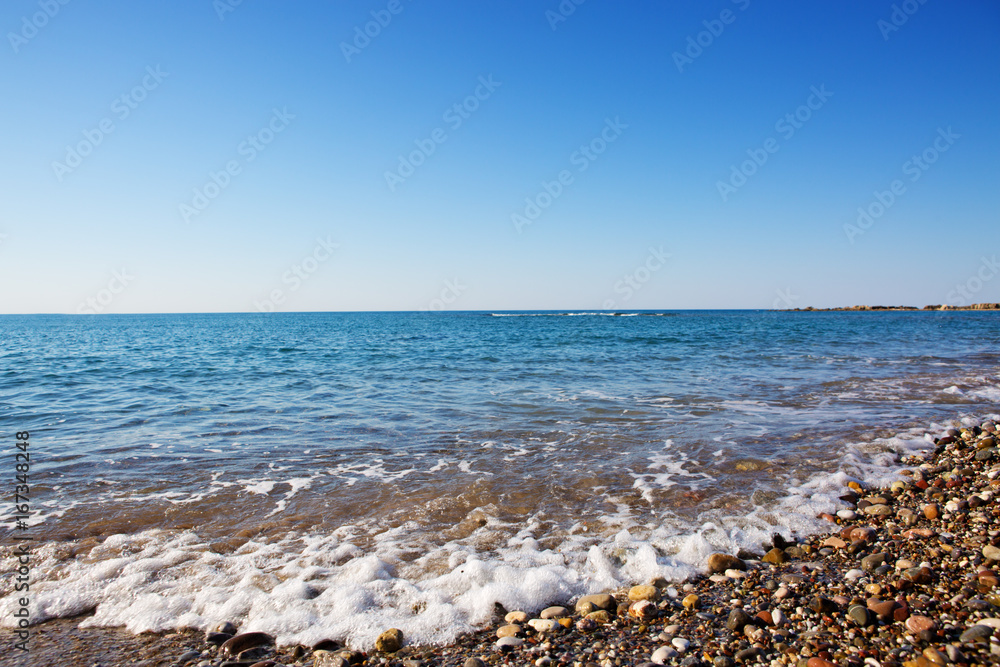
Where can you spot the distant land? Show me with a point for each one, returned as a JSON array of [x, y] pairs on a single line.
[[975, 306]]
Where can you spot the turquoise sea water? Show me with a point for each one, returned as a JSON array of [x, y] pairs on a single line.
[[317, 475]]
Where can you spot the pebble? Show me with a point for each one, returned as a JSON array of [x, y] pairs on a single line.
[[600, 601], [737, 619], [544, 625], [509, 630], [859, 615], [775, 557], [508, 643], [722, 562], [991, 552], [847, 515], [519, 617], [248, 640], [663, 654], [690, 601], [854, 574], [645, 592], [643, 609], [977, 633], [680, 644], [916, 624]]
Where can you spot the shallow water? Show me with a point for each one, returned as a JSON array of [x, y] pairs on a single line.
[[330, 475]]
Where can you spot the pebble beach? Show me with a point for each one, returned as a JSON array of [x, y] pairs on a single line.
[[906, 576]]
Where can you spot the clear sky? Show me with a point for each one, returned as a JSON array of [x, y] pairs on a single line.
[[200, 156]]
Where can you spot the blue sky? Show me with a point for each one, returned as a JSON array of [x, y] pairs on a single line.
[[199, 156]]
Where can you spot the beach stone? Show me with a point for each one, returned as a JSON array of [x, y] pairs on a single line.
[[882, 609], [735, 574], [324, 658], [517, 617], [991, 552], [217, 638], [680, 644], [389, 641], [663, 654], [226, 627], [854, 574], [931, 511], [186, 657], [863, 533], [690, 601], [765, 617], [990, 623], [977, 633], [737, 619], [954, 654], [778, 617], [508, 643], [747, 654], [723, 661], [834, 542], [847, 515], [917, 624], [935, 656], [918, 575], [775, 556], [544, 625], [859, 615], [822, 605], [248, 640], [599, 601], [509, 630], [644, 592], [554, 612], [820, 662], [600, 617], [587, 625], [869, 563], [721, 562], [643, 610], [878, 510]]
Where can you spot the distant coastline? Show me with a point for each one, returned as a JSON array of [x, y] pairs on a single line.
[[975, 306]]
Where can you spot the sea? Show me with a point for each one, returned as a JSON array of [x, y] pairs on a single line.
[[332, 475]]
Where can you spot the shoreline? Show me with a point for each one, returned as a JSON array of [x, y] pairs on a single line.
[[936, 307], [899, 580]]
